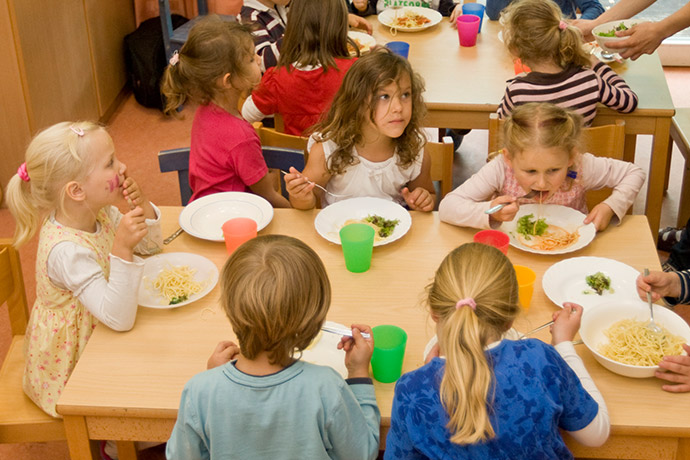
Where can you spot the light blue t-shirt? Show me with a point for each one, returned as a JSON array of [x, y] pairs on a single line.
[[304, 411], [536, 393]]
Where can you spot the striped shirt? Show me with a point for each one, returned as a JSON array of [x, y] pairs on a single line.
[[268, 35], [684, 297], [577, 88]]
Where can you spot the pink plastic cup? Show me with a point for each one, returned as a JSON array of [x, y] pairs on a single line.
[[494, 238], [468, 27], [238, 230]]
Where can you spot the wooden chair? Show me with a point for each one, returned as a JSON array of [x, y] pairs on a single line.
[[602, 141], [680, 135], [441, 154], [276, 158], [271, 137], [20, 419]]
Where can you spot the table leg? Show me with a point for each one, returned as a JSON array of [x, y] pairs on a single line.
[[126, 450], [78, 439], [657, 173]]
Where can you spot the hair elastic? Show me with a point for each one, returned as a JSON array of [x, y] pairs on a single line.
[[174, 59], [22, 173], [78, 131], [572, 174], [469, 301], [562, 25]]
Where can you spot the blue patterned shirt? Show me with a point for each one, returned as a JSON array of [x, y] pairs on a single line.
[[536, 393]]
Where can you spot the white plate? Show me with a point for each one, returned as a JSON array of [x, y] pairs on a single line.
[[387, 17], [325, 352], [364, 39], [568, 218], [565, 281], [206, 273], [204, 217], [331, 218]]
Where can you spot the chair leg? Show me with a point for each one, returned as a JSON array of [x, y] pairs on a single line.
[[684, 205], [669, 156]]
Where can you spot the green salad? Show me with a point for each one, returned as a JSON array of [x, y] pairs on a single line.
[[180, 299], [612, 32], [386, 226], [528, 227], [599, 283]]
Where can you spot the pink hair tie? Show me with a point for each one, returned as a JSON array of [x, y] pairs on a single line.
[[562, 25], [22, 173], [76, 130], [469, 301], [174, 59]]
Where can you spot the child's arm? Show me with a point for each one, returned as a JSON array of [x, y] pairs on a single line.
[[264, 187], [625, 178], [465, 205], [304, 195], [423, 195], [357, 22], [590, 9], [187, 440], [614, 92]]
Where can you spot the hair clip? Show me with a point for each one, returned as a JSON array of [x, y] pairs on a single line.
[[562, 25], [572, 174], [22, 173], [174, 59], [78, 131], [469, 301]]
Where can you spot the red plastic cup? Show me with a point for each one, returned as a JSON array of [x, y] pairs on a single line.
[[494, 238], [238, 230], [468, 27]]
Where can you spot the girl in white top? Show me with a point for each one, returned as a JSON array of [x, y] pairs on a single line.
[[541, 155], [370, 143], [85, 267]]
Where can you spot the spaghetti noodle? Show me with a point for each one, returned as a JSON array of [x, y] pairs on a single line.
[[553, 238], [176, 283], [632, 342]]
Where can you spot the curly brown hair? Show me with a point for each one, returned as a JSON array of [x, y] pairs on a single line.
[[348, 113]]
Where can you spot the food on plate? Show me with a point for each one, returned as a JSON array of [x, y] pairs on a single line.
[[632, 342], [384, 227], [599, 283], [612, 32], [537, 234], [410, 20], [527, 226], [176, 283], [363, 47]]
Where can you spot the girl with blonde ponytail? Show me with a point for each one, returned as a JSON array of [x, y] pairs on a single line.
[[482, 395], [562, 72]]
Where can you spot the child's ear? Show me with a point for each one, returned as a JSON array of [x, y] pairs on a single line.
[[74, 191], [507, 157], [226, 80]]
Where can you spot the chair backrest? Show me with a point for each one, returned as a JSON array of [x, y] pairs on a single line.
[[282, 159], [441, 154], [602, 141], [177, 160], [12, 287], [273, 138]]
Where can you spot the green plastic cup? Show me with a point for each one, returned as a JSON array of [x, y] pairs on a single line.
[[358, 244], [389, 351]]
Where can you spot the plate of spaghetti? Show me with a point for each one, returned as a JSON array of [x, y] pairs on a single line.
[[570, 280], [410, 19], [548, 229], [364, 42], [617, 335], [323, 350], [175, 279]]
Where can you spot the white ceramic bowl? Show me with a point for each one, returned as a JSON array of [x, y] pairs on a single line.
[[596, 320], [607, 27]]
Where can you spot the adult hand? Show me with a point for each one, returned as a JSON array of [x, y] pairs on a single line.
[[644, 38], [660, 284]]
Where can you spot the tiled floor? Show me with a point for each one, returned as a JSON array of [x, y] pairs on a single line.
[[139, 133]]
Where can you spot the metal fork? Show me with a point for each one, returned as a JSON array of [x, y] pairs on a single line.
[[322, 188]]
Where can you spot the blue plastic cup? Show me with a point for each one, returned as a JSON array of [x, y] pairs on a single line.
[[476, 9], [399, 48]]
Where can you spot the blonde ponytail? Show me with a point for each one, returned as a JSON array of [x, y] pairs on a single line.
[[485, 276]]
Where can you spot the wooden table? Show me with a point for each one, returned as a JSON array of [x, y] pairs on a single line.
[[465, 85], [127, 386]]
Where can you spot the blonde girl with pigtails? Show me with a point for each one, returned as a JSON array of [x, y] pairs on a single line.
[[69, 189], [561, 71], [482, 395]]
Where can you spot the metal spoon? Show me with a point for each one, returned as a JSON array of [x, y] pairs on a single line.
[[498, 207], [652, 325], [322, 188]]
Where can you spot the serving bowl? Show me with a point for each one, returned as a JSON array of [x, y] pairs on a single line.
[[608, 27], [599, 318]]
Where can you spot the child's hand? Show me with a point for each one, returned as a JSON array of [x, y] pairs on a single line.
[[224, 352], [601, 215], [566, 323], [358, 22], [660, 284], [419, 199], [676, 370], [508, 212], [298, 186], [135, 197], [131, 230], [457, 11], [358, 351]]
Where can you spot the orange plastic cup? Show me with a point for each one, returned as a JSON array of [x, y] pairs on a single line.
[[238, 230], [495, 238], [525, 278]]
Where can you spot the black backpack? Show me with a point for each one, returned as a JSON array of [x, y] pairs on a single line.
[[145, 60]]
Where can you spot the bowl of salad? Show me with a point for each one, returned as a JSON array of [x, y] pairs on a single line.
[[605, 34]]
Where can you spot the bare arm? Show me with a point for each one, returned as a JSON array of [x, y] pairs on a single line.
[[304, 195], [265, 189]]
